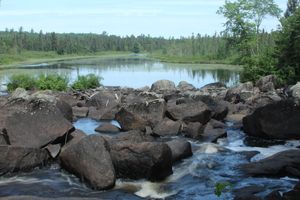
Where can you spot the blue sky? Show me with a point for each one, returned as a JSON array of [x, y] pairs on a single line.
[[121, 17]]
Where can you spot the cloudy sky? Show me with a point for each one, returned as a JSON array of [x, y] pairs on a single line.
[[121, 17]]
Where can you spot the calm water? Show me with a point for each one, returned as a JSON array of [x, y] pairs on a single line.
[[133, 71]]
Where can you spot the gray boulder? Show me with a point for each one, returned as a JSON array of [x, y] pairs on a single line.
[[188, 110], [149, 160], [90, 161], [278, 120], [80, 112], [266, 83], [107, 128], [295, 92], [15, 158], [163, 85], [180, 149], [185, 86], [167, 127], [193, 130]]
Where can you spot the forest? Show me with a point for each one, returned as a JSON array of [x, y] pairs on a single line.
[[242, 42]]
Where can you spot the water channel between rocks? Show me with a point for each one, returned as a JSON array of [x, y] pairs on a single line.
[[193, 178]]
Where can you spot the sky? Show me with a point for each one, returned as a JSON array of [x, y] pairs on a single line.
[[119, 17]]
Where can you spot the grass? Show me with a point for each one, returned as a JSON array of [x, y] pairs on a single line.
[[32, 57]]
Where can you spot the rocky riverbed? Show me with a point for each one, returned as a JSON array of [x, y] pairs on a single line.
[[167, 141]]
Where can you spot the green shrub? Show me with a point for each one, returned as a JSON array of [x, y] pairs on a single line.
[[52, 82], [221, 187], [21, 81], [87, 82]]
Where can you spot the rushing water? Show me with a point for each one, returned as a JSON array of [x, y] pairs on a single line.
[[193, 178], [132, 71]]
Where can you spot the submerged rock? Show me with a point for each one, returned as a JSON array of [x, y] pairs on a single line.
[[16, 158], [279, 120], [90, 161]]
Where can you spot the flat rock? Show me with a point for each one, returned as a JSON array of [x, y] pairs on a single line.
[[107, 128], [90, 161]]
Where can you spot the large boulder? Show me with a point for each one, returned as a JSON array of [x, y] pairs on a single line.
[[139, 115], [193, 130], [286, 163], [149, 160], [180, 149], [106, 102], [213, 131], [185, 86], [188, 110], [34, 124], [241, 92], [167, 127], [278, 120], [16, 158], [163, 85], [90, 161]]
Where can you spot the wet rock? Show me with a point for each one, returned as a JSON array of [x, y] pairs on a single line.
[[212, 134], [278, 121], [180, 149], [193, 130], [90, 161], [167, 127], [107, 128], [148, 160], [184, 86], [249, 154], [162, 85], [210, 148], [260, 142], [139, 115], [188, 110], [266, 84], [286, 163], [80, 112], [293, 194], [40, 123], [248, 193], [15, 158], [275, 195]]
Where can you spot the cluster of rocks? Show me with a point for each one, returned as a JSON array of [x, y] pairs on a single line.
[[36, 128]]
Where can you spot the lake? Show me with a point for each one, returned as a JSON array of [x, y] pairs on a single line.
[[130, 71]]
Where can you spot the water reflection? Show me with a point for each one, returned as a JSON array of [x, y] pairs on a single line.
[[131, 72]]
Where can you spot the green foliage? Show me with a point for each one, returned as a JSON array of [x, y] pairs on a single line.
[[52, 82], [21, 81], [136, 48], [87, 82], [221, 187]]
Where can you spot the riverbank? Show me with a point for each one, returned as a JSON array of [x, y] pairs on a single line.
[[33, 57]]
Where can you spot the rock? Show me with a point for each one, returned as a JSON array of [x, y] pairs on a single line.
[[35, 124], [266, 84], [149, 160], [188, 110], [15, 158], [139, 115], [107, 128], [167, 127], [162, 85], [80, 112], [260, 100], [106, 102], [295, 93], [248, 193], [90, 161], [241, 93], [180, 149], [65, 109], [193, 130], [260, 142], [235, 117], [275, 195], [210, 148], [20, 94], [293, 194], [73, 138], [212, 134], [95, 113], [184, 86], [4, 140], [70, 99], [212, 86], [286, 163], [278, 120], [134, 136], [53, 149]]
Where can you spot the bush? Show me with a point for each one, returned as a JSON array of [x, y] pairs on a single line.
[[52, 82], [21, 81], [87, 82]]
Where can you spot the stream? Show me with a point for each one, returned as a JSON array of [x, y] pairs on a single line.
[[193, 178]]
